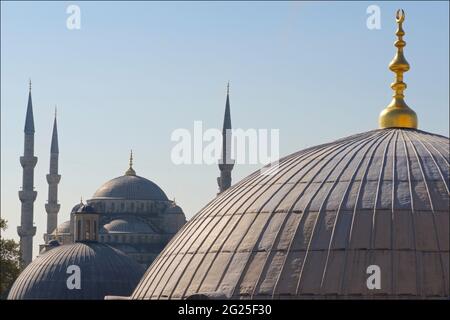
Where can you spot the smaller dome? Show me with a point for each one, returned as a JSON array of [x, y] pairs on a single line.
[[62, 228], [53, 243], [174, 209], [76, 207], [85, 208], [104, 271], [129, 225]]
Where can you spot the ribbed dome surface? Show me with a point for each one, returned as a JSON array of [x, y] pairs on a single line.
[[312, 228], [130, 188], [104, 271]]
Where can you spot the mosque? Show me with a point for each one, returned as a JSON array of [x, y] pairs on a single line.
[[136, 215], [310, 230]]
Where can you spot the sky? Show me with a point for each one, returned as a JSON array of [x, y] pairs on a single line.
[[137, 71]]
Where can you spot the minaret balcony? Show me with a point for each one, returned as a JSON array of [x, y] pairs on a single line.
[[226, 166], [28, 162], [26, 232], [53, 178], [52, 207], [26, 195]]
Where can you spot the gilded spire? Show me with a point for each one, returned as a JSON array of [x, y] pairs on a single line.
[[130, 171], [397, 114]]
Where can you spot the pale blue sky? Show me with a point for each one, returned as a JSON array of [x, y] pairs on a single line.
[[136, 71]]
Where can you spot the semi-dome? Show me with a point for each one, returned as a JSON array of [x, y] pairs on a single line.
[[312, 226], [63, 228], [130, 187], [128, 225], [103, 271]]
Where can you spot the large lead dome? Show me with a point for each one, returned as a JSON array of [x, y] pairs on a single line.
[[313, 227], [130, 187]]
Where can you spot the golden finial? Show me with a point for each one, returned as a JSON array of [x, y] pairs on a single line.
[[397, 114], [29, 84], [81, 200], [228, 87], [130, 171]]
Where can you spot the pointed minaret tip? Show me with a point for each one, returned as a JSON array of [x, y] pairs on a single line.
[[397, 114], [54, 144], [29, 120]]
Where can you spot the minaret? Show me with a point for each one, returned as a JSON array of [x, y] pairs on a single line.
[[226, 164], [53, 178], [27, 195]]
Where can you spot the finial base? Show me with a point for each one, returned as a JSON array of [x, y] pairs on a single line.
[[397, 115]]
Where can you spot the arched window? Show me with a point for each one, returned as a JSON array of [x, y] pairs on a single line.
[[132, 206], [122, 206], [87, 227], [94, 232], [142, 207], [79, 229]]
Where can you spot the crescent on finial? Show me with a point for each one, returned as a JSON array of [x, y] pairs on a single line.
[[400, 16]]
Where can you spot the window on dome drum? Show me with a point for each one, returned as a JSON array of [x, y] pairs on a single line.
[[142, 207], [94, 232], [113, 206], [79, 229], [87, 227], [122, 206], [132, 206]]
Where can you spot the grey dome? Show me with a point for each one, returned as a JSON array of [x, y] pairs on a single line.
[[130, 187], [54, 243], [128, 225], [104, 271], [174, 209], [85, 208], [76, 207], [311, 229], [62, 228]]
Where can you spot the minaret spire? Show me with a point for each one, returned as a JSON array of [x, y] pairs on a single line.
[[27, 195], [53, 178], [397, 114], [226, 164]]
